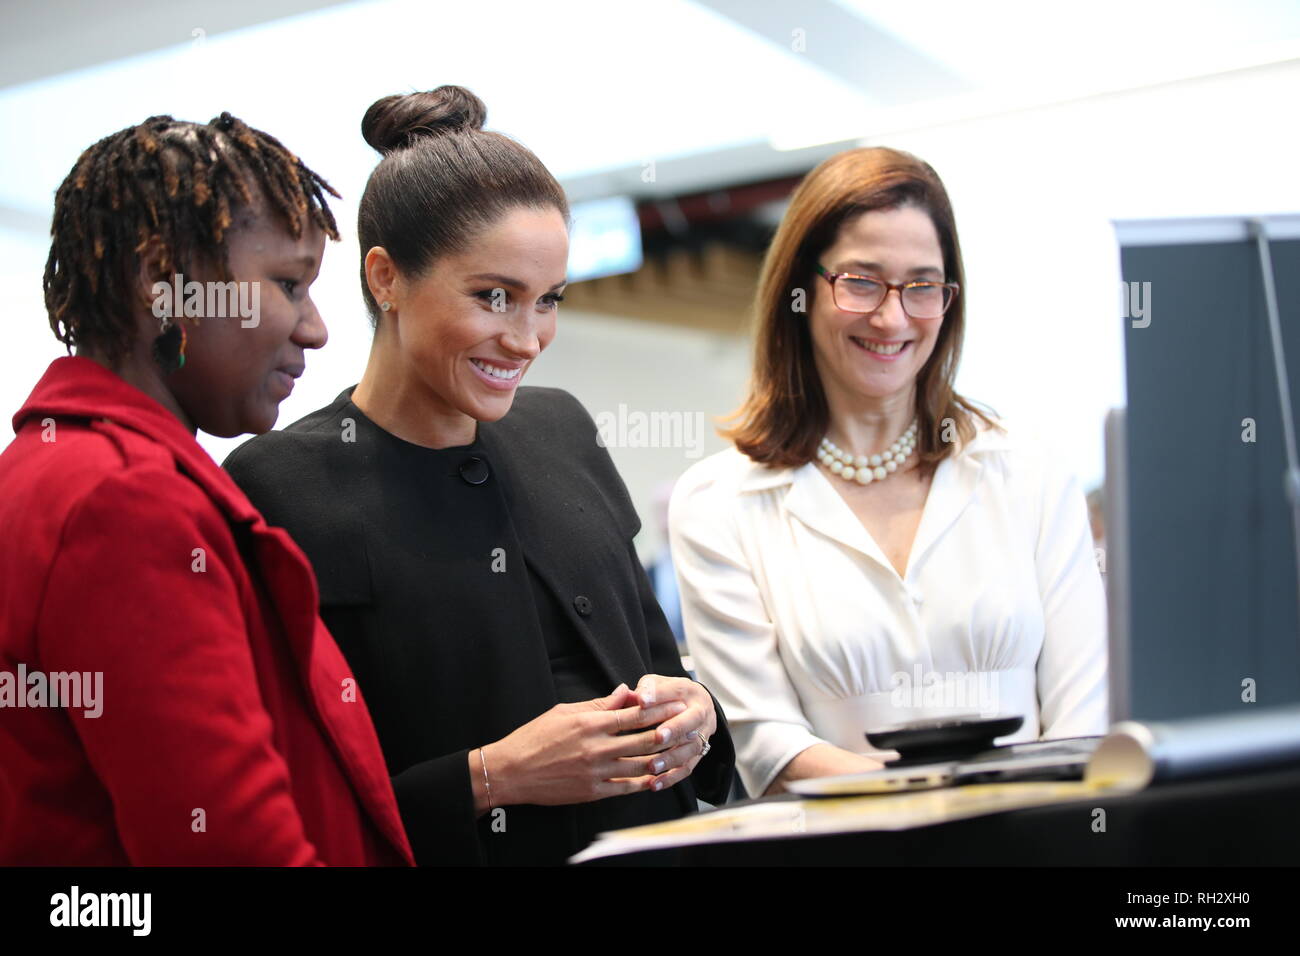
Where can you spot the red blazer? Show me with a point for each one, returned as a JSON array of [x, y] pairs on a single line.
[[230, 731]]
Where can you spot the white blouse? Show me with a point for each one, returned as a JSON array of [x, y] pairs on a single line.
[[806, 634]]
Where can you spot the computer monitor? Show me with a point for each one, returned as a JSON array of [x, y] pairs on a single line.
[[1200, 560], [1115, 566]]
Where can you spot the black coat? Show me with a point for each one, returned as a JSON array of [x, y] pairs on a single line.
[[428, 561]]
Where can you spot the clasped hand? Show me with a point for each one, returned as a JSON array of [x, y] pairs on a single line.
[[642, 739]]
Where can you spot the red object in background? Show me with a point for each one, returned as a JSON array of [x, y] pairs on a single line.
[[230, 732]]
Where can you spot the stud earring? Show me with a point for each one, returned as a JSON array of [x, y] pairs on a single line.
[[386, 306]]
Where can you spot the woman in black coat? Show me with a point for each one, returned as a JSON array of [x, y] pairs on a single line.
[[472, 539]]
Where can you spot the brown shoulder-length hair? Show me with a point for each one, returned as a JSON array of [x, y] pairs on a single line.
[[785, 414]]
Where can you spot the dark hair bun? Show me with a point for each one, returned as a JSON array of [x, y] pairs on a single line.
[[395, 122]]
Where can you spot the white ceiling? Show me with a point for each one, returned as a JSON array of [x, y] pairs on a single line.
[[708, 91]]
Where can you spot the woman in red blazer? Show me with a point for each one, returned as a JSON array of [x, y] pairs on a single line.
[[168, 694]]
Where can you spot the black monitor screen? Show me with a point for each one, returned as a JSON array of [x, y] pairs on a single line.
[[1212, 558]]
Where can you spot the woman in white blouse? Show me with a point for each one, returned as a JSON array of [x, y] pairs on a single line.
[[877, 549]]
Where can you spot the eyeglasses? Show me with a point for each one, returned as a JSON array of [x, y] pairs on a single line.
[[921, 300]]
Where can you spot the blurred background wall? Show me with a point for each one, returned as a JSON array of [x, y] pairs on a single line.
[[1045, 121]]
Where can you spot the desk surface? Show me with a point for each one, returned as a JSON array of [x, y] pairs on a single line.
[[1243, 820]]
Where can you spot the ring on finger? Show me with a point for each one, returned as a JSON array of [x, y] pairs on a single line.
[[704, 742]]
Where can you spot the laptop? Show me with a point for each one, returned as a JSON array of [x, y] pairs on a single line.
[[1062, 759]]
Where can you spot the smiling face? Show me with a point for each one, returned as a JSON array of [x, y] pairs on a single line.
[[239, 369], [866, 359], [472, 324]]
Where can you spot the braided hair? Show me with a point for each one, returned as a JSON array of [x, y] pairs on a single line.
[[179, 182]]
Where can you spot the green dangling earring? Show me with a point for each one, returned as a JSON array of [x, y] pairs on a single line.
[[169, 347]]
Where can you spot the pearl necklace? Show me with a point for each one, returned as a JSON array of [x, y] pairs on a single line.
[[864, 469]]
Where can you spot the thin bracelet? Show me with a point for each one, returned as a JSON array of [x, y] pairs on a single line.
[[487, 784]]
